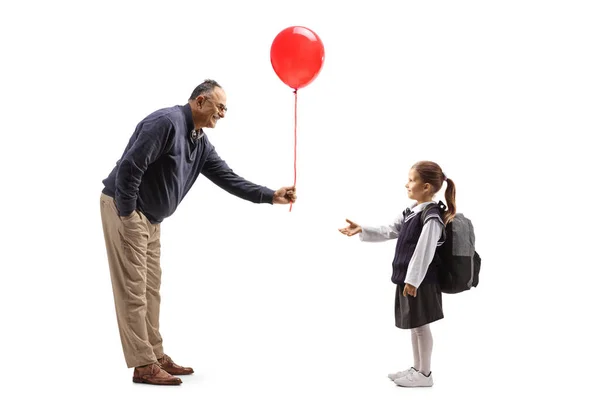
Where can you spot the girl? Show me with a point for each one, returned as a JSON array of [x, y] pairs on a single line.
[[418, 233]]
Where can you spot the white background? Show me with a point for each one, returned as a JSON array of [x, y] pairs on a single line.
[[270, 304]]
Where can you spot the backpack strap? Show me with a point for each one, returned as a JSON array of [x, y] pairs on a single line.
[[428, 207], [442, 208]]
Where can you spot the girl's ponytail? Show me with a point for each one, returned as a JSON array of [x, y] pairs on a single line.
[[432, 174], [450, 200]]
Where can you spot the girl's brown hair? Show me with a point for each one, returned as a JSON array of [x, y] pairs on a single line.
[[432, 173]]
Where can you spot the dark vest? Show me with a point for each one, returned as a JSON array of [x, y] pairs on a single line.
[[407, 242]]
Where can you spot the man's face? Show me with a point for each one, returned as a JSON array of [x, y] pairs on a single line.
[[211, 107]]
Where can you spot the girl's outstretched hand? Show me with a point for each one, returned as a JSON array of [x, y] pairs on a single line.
[[351, 230]]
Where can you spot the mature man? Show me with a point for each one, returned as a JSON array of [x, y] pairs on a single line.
[[165, 155]]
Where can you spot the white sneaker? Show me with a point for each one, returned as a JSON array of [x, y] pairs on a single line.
[[415, 379], [400, 374]]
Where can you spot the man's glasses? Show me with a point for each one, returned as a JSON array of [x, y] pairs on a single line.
[[222, 108]]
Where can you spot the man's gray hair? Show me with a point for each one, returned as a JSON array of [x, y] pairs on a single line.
[[205, 87]]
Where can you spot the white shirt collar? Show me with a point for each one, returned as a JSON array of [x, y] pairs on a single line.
[[418, 207]]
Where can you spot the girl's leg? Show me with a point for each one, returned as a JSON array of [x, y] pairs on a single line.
[[425, 346], [415, 347]]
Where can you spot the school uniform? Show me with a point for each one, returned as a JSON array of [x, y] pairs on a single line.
[[415, 262]]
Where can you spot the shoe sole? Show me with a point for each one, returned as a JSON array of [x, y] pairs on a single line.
[[180, 373], [413, 386], [417, 386], [141, 380]]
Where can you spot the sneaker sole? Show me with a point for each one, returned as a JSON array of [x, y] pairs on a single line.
[[419, 386]]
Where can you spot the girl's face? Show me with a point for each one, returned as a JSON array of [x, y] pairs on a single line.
[[416, 189]]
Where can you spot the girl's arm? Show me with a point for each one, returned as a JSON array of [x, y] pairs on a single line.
[[381, 233], [424, 252]]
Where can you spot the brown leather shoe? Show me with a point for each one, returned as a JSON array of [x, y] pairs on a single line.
[[154, 375], [168, 365]]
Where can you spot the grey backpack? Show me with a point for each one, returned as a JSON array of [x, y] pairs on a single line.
[[460, 263]]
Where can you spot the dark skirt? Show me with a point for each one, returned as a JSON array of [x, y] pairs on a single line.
[[426, 307]]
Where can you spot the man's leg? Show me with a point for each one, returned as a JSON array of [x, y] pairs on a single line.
[[126, 246], [153, 280], [153, 300]]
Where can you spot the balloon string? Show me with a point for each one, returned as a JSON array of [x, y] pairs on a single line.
[[295, 135]]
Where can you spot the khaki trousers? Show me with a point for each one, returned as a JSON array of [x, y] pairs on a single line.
[[133, 250]]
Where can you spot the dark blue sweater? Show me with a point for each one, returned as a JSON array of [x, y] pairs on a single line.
[[161, 163], [407, 243]]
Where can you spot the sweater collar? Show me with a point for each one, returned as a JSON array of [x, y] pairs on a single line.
[[189, 122]]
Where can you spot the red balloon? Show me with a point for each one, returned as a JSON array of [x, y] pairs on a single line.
[[297, 56]]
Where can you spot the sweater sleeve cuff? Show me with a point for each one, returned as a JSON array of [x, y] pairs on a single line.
[[267, 196], [125, 208]]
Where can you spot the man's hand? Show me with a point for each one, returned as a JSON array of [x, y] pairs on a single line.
[[285, 195], [352, 228], [409, 289]]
